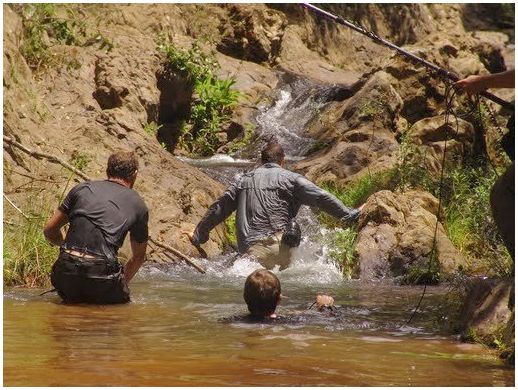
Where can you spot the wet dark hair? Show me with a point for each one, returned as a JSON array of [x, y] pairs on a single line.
[[122, 165], [262, 292], [272, 153]]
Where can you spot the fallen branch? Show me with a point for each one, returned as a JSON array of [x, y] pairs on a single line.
[[47, 156], [177, 253]]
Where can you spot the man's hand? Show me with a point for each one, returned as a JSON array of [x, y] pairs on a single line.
[[324, 300], [190, 235], [475, 84], [201, 251], [472, 84]]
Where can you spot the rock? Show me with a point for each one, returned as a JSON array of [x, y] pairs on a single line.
[[487, 309], [433, 132], [395, 235], [360, 131], [253, 34]]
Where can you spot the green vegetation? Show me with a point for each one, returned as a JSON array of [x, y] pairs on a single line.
[[230, 224], [80, 160], [356, 192], [466, 208], [342, 243], [151, 128], [44, 28], [214, 98], [28, 257], [469, 222]]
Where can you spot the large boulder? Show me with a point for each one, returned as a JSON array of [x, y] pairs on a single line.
[[396, 234], [435, 134], [487, 314], [360, 134]]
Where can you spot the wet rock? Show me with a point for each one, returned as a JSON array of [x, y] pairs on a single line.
[[395, 236], [488, 311]]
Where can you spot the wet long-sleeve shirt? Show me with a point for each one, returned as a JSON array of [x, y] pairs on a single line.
[[266, 199]]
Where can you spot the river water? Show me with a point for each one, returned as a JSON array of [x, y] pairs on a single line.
[[187, 329]]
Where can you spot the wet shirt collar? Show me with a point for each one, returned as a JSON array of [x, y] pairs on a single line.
[[271, 165]]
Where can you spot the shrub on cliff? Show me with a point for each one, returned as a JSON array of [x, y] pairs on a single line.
[[214, 98]]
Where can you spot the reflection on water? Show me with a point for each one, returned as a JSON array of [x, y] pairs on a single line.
[[174, 333]]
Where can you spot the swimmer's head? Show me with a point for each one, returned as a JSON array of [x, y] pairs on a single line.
[[262, 293]]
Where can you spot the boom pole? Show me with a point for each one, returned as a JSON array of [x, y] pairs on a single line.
[[443, 72]]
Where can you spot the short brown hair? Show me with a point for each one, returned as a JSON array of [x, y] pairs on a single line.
[[272, 153], [122, 164], [262, 292]]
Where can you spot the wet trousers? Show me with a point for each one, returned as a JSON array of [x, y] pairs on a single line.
[[83, 280], [271, 252], [502, 204]]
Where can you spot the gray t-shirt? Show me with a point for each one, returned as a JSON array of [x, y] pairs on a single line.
[[100, 214]]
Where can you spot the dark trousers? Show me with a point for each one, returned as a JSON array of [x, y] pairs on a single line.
[[80, 280], [502, 204]]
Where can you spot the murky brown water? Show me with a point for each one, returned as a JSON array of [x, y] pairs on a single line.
[[173, 334]]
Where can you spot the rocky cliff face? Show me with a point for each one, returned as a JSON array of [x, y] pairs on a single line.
[[106, 99]]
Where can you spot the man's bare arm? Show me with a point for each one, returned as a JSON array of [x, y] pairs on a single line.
[[52, 229], [476, 83], [138, 256]]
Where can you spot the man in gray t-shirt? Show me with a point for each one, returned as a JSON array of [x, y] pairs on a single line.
[[100, 214], [267, 200]]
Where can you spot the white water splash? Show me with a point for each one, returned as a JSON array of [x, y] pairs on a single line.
[[286, 120]]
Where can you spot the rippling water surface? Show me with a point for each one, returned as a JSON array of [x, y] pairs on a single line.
[[183, 328]]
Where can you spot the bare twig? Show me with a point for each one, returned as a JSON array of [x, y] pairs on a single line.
[[177, 253], [16, 207], [35, 178], [46, 156]]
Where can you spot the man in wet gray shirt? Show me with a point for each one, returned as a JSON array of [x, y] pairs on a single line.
[[267, 200]]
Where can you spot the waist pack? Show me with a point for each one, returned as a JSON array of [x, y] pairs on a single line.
[[292, 234]]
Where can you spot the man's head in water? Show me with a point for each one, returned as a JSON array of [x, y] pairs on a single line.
[[262, 293], [123, 166], [272, 153]]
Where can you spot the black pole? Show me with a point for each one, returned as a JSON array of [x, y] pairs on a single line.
[[375, 38]]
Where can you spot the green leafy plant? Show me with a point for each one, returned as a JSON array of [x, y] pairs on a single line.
[[341, 241], [214, 98]]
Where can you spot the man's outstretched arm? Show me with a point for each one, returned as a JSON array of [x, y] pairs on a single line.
[[217, 213], [478, 83], [312, 195]]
